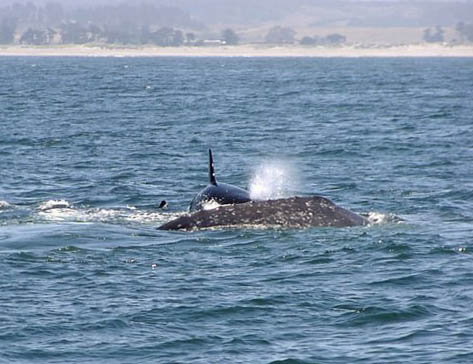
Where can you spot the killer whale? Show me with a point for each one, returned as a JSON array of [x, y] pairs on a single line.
[[238, 209], [221, 193]]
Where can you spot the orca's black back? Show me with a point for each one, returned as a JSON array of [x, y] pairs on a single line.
[[222, 193]]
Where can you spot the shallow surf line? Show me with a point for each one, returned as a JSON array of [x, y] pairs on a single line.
[[417, 50]]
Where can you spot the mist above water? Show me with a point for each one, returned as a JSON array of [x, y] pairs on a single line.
[[273, 179]]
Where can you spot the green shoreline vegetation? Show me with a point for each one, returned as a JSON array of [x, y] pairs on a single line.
[[147, 25]]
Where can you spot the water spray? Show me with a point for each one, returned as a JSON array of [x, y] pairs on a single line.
[[272, 180]]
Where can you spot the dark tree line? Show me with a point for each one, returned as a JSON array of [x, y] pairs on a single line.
[[465, 31], [283, 35], [331, 39], [7, 30], [126, 24], [434, 35], [230, 37], [280, 35]]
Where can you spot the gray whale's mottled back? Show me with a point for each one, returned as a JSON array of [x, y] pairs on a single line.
[[293, 212]]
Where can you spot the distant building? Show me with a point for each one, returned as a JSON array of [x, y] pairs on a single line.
[[211, 42]]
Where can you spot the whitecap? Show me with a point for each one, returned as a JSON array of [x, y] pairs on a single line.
[[54, 204], [71, 214], [377, 218], [55, 212], [4, 205], [150, 217]]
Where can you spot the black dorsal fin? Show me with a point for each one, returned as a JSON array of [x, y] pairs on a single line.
[[212, 179]]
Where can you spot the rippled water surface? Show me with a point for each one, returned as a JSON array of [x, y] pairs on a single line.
[[90, 146]]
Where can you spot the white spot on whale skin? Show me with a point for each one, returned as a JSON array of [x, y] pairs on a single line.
[[210, 205]]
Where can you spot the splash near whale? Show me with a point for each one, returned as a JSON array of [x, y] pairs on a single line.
[[235, 208]]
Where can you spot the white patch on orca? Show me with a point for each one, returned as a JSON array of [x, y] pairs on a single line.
[[210, 205]]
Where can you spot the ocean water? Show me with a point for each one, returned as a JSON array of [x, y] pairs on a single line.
[[90, 146]]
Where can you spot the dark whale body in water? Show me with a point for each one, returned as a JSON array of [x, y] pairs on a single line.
[[293, 212], [237, 209], [221, 193]]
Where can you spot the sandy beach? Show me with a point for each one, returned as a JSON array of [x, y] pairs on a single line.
[[421, 50]]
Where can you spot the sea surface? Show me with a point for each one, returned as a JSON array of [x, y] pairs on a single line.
[[90, 146]]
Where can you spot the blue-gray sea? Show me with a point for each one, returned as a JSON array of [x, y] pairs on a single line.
[[90, 146]]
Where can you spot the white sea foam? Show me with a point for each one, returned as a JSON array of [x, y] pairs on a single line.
[[54, 204], [382, 218], [59, 212], [4, 205], [79, 215], [150, 217], [273, 179]]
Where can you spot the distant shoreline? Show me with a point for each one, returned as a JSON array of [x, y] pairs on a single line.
[[418, 50]]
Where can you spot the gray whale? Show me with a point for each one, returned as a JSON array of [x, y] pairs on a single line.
[[293, 212]]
